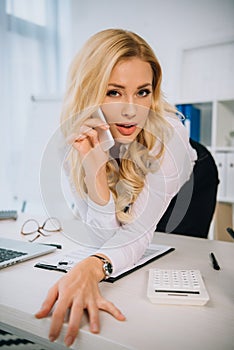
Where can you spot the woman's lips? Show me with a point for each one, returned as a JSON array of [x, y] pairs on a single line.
[[126, 129]]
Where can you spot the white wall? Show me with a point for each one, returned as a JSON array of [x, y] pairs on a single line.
[[4, 124], [168, 25]]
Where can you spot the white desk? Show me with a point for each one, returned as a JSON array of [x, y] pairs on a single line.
[[148, 326]]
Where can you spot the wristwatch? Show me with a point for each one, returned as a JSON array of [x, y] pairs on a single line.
[[107, 266]]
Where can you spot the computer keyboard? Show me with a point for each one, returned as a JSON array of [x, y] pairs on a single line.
[[7, 254]]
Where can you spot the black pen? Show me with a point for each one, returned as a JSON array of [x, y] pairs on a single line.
[[49, 267], [214, 262], [58, 246]]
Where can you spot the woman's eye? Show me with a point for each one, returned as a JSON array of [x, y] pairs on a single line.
[[112, 93], [144, 92]]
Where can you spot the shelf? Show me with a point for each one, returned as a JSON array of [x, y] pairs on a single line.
[[205, 112], [225, 200], [216, 123], [225, 123], [223, 149]]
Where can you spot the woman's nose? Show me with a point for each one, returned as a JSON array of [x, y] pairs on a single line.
[[129, 110]]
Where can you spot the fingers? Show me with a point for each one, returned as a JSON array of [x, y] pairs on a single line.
[[87, 140], [89, 130], [75, 317], [48, 303], [76, 300], [104, 305], [90, 133], [93, 311], [111, 309], [57, 320], [96, 123], [94, 318], [86, 143], [84, 132], [74, 322]]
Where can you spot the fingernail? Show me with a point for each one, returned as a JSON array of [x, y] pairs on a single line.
[[38, 313], [68, 340], [122, 316], [51, 338], [95, 328], [105, 126]]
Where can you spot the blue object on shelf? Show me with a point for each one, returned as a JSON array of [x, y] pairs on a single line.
[[192, 120]]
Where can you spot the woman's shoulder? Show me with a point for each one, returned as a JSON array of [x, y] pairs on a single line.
[[177, 140], [174, 120], [173, 127]]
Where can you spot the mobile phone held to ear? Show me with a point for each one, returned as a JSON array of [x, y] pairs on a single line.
[[105, 136]]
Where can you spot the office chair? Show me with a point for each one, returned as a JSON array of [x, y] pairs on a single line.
[[230, 231], [191, 211]]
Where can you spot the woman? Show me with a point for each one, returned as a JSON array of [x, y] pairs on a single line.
[[123, 192]]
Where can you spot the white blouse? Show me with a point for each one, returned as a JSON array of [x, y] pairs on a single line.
[[124, 244]]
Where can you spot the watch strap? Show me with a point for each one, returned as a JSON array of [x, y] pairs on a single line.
[[106, 265], [99, 257]]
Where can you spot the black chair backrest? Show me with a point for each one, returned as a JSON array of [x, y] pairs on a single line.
[[191, 211]]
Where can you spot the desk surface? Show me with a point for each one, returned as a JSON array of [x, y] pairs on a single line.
[[148, 326]]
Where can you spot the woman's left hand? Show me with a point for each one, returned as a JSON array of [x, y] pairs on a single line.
[[76, 291]]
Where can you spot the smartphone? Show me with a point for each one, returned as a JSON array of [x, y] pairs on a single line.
[[105, 136]]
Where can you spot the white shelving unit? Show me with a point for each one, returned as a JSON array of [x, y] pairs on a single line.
[[216, 123], [206, 81]]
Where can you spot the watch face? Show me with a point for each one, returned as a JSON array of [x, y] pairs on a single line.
[[108, 269]]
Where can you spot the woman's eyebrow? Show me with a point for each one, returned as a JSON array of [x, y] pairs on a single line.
[[144, 86], [123, 87], [116, 85]]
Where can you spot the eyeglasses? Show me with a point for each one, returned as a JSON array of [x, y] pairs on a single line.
[[32, 227]]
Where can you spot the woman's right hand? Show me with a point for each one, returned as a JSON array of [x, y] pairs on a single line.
[[93, 159], [88, 132]]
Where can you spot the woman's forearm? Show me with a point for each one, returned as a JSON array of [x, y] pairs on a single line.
[[97, 186]]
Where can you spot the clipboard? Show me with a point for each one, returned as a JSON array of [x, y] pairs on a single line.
[[65, 263], [148, 257]]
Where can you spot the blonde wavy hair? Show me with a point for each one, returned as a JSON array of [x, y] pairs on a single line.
[[87, 83]]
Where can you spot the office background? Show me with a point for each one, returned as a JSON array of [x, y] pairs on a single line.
[[194, 41]]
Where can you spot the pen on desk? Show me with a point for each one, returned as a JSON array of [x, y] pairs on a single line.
[[214, 262], [58, 246], [49, 267]]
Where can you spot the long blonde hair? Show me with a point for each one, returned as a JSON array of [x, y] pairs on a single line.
[[87, 86]]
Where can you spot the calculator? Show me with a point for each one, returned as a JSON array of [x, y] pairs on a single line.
[[8, 214], [181, 287]]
